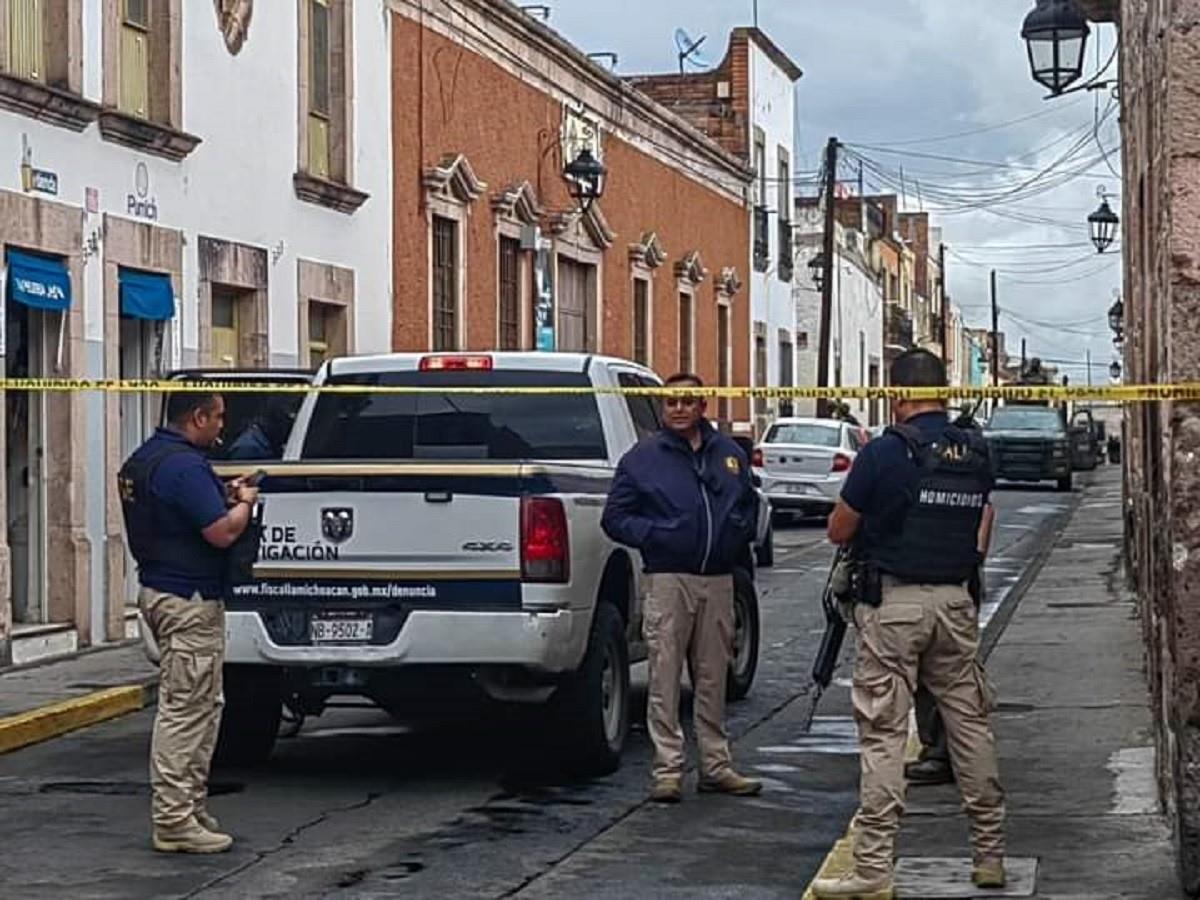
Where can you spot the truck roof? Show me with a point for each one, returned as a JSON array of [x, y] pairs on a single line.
[[522, 360]]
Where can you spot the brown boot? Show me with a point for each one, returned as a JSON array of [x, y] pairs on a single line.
[[730, 783], [190, 837], [988, 873], [207, 820], [854, 887], [667, 789]]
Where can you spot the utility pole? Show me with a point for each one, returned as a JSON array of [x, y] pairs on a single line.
[[1022, 356], [945, 304], [1088, 359], [995, 335], [831, 164]]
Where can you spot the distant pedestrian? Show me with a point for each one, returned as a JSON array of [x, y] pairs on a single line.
[[916, 508], [684, 499], [180, 521]]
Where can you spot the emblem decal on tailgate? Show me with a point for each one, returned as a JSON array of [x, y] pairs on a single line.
[[337, 523]]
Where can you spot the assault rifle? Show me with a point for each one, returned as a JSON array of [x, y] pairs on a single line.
[[831, 642]]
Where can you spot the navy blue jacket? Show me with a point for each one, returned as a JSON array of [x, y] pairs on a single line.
[[688, 512]]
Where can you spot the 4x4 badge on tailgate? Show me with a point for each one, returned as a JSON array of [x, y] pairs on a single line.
[[337, 523]]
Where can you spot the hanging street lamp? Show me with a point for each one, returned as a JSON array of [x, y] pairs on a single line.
[[816, 268], [1115, 370], [1056, 34], [1103, 223], [585, 175]]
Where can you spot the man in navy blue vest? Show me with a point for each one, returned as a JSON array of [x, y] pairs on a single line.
[[916, 506], [684, 499], [181, 520]]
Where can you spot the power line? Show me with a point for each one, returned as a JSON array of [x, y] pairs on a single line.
[[981, 130]]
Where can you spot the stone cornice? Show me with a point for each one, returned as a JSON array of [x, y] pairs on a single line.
[[593, 222], [149, 137], [455, 177], [519, 203], [691, 269], [648, 252], [46, 104], [338, 197]]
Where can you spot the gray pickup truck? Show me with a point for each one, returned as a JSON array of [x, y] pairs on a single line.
[[1030, 442]]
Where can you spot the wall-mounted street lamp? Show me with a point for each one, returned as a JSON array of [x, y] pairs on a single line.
[[816, 268], [1103, 224], [1056, 34], [1116, 317], [585, 175], [1115, 370]]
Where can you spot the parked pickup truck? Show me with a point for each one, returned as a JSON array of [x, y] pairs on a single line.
[[1030, 442], [423, 547]]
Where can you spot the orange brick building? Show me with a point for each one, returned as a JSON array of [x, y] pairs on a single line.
[[491, 252]]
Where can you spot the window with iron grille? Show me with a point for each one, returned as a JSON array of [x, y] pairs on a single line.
[[641, 321], [510, 294], [685, 332], [445, 284]]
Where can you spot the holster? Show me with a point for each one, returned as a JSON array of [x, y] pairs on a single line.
[[871, 592]]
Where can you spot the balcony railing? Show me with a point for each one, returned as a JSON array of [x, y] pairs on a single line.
[[762, 247]]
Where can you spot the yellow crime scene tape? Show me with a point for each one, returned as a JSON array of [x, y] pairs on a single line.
[[1129, 393]]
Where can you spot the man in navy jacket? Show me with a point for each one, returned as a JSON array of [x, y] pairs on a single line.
[[684, 499]]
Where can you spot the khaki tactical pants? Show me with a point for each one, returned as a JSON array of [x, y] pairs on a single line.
[[925, 633], [191, 638], [689, 616]]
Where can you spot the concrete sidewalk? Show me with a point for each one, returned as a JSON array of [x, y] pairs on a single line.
[[45, 700], [1073, 723]]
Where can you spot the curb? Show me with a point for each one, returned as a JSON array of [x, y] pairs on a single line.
[[56, 719]]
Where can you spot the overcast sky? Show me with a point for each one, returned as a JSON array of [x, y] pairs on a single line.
[[904, 77]]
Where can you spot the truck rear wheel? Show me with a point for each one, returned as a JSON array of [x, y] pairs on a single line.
[[590, 710], [743, 661], [1066, 483], [250, 720]]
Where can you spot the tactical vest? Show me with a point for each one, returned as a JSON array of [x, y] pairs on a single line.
[[187, 553], [932, 535]]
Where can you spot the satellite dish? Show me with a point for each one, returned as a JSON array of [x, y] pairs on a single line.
[[689, 50]]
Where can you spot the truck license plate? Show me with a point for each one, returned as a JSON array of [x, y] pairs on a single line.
[[341, 630]]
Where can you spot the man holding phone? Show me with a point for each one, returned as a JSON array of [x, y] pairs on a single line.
[[181, 521]]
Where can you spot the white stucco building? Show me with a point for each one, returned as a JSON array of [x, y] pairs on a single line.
[[198, 184], [772, 139], [856, 357]]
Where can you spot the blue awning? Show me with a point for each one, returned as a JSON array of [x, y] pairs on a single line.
[[38, 281], [146, 295]]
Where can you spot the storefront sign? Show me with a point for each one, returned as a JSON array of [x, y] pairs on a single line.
[[140, 203], [42, 180]]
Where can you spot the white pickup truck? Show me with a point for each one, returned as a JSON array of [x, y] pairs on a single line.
[[423, 547]]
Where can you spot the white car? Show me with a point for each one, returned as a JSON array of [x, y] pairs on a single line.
[[802, 463]]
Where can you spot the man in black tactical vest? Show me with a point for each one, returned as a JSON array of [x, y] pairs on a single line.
[[180, 521], [916, 508]]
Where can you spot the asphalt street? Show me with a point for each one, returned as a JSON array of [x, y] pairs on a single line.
[[359, 804]]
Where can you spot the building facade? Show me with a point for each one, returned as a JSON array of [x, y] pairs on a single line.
[[1160, 220], [492, 251], [748, 105], [186, 185], [856, 334]]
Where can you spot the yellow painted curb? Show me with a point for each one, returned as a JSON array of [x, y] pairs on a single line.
[[840, 860], [48, 722]]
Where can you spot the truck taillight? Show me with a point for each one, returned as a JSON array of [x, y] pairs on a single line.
[[841, 462], [455, 364], [545, 546], [756, 458]]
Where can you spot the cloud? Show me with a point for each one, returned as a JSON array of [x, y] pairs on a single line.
[[884, 73]]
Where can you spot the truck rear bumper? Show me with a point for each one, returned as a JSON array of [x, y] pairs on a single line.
[[550, 642]]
